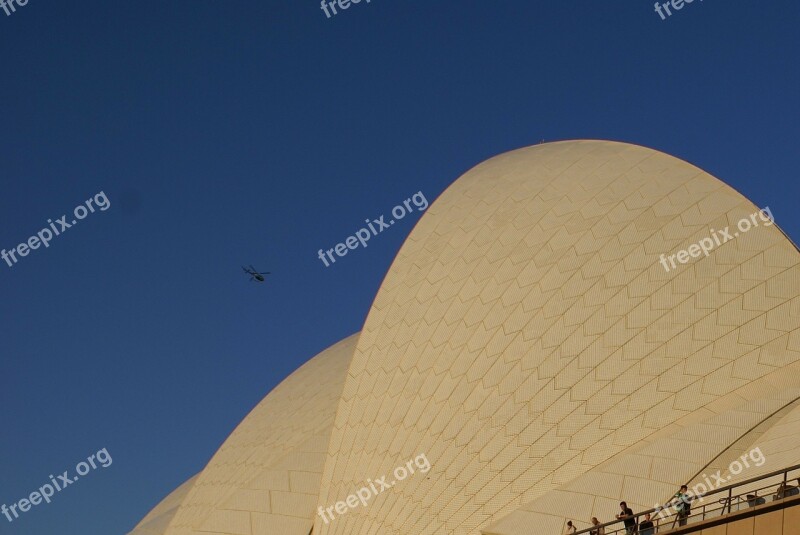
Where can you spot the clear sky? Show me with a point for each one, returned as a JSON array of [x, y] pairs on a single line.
[[243, 131]]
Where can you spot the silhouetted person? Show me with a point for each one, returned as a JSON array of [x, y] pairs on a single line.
[[753, 500], [627, 516], [646, 527]]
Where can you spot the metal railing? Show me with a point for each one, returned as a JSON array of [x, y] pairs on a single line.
[[715, 503]]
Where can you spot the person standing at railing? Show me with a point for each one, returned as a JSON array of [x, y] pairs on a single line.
[[627, 516], [570, 529], [598, 529], [646, 527], [683, 506]]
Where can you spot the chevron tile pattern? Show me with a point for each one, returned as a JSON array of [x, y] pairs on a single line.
[[526, 334], [265, 478], [528, 341], [649, 472]]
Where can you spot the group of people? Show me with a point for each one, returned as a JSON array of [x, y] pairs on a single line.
[[682, 503], [645, 527], [681, 500]]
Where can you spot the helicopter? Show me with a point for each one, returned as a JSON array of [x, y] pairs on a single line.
[[255, 275]]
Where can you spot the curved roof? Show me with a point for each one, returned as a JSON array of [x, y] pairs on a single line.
[[265, 478], [157, 520], [527, 336], [529, 343]]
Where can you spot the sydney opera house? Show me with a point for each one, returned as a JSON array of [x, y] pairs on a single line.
[[529, 342]]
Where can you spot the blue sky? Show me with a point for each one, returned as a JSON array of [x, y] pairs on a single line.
[[226, 133]]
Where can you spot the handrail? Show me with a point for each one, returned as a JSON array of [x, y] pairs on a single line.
[[727, 488]]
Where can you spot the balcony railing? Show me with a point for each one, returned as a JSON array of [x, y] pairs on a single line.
[[714, 503]]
